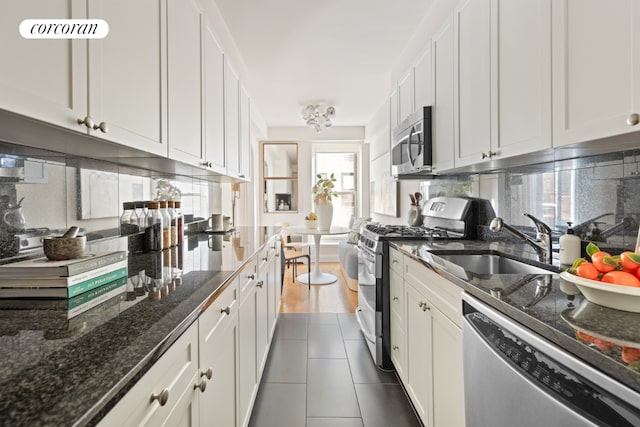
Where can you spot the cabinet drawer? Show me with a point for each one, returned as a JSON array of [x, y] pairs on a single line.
[[396, 294], [165, 382], [247, 279], [396, 261], [446, 296], [221, 310]]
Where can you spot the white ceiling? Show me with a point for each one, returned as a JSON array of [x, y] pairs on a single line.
[[339, 52]]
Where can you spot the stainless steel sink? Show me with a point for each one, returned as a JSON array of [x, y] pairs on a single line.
[[491, 263]]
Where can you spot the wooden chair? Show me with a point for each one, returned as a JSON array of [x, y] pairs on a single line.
[[291, 256], [290, 253]]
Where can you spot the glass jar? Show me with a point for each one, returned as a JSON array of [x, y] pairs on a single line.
[[128, 219], [179, 221], [166, 225], [174, 222], [154, 230]]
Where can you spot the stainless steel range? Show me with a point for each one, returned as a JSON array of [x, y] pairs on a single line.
[[443, 218]]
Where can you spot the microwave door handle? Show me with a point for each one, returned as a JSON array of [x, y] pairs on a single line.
[[411, 160]]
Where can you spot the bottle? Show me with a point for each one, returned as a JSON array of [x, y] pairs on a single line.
[[179, 221], [569, 246], [153, 233], [141, 214], [166, 225], [174, 222]]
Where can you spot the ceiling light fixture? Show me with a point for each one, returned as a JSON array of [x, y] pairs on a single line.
[[318, 116]]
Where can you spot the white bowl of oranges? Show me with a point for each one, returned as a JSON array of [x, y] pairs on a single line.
[[311, 221], [607, 280]]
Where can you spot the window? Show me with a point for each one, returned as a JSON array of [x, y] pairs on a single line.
[[343, 165]]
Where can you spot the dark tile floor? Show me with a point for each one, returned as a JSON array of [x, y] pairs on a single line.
[[320, 373]]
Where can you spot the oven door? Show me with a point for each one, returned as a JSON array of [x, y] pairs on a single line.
[[366, 311]]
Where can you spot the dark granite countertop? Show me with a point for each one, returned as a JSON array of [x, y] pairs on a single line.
[[555, 312], [62, 372]]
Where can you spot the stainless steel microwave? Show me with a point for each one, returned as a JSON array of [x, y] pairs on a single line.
[[411, 144]]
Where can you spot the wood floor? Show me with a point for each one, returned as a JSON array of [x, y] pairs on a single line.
[[333, 298]]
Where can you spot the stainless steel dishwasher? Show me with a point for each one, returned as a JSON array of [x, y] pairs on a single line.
[[514, 377]]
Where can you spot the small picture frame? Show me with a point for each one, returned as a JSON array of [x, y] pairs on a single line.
[[283, 201]]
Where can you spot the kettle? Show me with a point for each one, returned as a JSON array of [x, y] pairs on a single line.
[[12, 215]]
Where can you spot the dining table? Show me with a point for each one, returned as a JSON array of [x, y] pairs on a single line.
[[317, 277]]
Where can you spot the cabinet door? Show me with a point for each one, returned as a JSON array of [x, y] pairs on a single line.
[[443, 108], [43, 79], [215, 150], [423, 81], [127, 72], [232, 119], [397, 316], [218, 347], [393, 110], [245, 136], [405, 95], [472, 89], [186, 413], [262, 312], [596, 69], [522, 74], [185, 81], [419, 357], [247, 360], [448, 387]]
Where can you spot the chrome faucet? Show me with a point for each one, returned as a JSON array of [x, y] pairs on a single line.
[[541, 244]]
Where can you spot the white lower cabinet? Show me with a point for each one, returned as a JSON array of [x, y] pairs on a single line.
[[428, 357], [210, 375], [218, 331], [163, 389]]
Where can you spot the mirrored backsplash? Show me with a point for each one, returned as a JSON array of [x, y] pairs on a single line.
[[46, 192], [598, 195]]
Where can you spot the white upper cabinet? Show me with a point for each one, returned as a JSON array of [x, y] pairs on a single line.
[[423, 81], [215, 150], [521, 70], [108, 81], [405, 95], [127, 74], [43, 79], [472, 73], [393, 110], [244, 150], [503, 79], [232, 119], [442, 112], [596, 69], [185, 81]]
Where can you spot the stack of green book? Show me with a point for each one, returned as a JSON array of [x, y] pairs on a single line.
[[41, 278]]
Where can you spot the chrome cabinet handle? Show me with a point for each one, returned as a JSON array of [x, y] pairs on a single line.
[[207, 164], [265, 258], [161, 397], [260, 283], [251, 276], [202, 385], [103, 126], [489, 154], [633, 119], [394, 261], [226, 310], [395, 347], [396, 299], [208, 373], [87, 121], [424, 306]]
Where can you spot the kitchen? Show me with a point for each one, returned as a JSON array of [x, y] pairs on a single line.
[[528, 165]]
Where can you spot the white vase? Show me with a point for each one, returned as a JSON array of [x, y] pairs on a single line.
[[324, 211]]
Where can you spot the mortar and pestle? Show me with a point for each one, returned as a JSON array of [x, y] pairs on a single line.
[[67, 246]]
